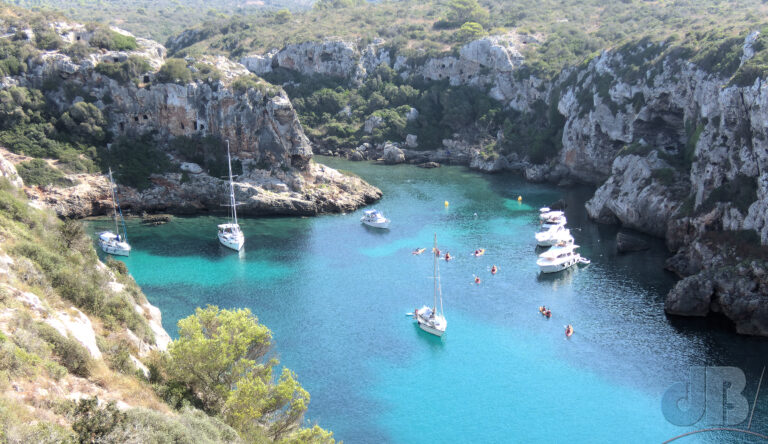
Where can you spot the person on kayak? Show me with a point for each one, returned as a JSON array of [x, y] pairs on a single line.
[[477, 279], [494, 269], [447, 256]]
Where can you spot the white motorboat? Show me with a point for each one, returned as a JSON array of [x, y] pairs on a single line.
[[553, 235], [558, 258], [230, 234], [112, 242], [429, 318], [374, 218]]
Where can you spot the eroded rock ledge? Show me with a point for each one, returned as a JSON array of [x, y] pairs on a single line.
[[317, 190]]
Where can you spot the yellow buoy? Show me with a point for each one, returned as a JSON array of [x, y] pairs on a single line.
[[446, 203], [519, 198]]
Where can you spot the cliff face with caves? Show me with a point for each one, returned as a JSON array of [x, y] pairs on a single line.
[[279, 176], [674, 150]]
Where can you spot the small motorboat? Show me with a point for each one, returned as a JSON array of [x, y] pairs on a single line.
[[558, 258], [584, 261], [375, 219]]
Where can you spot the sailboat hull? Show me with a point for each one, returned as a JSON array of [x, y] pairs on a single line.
[[432, 330], [435, 325], [234, 243], [116, 248]]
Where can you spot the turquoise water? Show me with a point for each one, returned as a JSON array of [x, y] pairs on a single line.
[[335, 294]]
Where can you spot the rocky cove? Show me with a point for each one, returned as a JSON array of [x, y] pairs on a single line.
[[675, 150]]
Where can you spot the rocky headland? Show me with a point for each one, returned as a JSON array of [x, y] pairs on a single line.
[[278, 173]]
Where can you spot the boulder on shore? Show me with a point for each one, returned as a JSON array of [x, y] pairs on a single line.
[[393, 155]]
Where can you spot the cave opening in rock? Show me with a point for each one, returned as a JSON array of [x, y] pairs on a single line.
[[298, 161]]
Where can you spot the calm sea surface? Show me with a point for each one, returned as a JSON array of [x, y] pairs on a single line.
[[335, 294]]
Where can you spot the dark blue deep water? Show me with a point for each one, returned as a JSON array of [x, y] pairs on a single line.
[[335, 294]]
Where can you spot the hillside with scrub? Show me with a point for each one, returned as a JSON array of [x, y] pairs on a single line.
[[84, 358], [156, 19], [550, 39]]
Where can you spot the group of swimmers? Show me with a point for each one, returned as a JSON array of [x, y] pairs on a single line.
[[479, 252], [448, 257]]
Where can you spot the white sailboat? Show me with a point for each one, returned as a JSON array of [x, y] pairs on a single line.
[[112, 242], [230, 234], [429, 318]]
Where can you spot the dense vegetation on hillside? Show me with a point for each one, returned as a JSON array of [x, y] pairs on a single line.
[[156, 19], [570, 30], [333, 111], [216, 380]]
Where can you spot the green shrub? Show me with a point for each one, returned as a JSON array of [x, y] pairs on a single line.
[[189, 426], [117, 266], [111, 40], [18, 362], [469, 31], [93, 423], [134, 159], [174, 71], [70, 353], [47, 40], [125, 71]]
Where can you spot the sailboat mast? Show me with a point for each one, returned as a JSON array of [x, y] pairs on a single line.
[[114, 200], [231, 187], [434, 271]]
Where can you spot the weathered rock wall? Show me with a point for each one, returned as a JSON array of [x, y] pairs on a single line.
[[674, 151], [260, 124]]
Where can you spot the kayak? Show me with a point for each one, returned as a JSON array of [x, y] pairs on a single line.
[[480, 252], [419, 250], [568, 331]]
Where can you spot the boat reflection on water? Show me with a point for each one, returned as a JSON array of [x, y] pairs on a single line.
[[560, 279]]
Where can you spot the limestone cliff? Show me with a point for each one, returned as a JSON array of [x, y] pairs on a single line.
[[259, 122], [676, 151]]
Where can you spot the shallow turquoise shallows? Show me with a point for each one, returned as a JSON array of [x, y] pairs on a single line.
[[336, 293]]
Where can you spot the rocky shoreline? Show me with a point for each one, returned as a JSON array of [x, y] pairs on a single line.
[[318, 190]]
